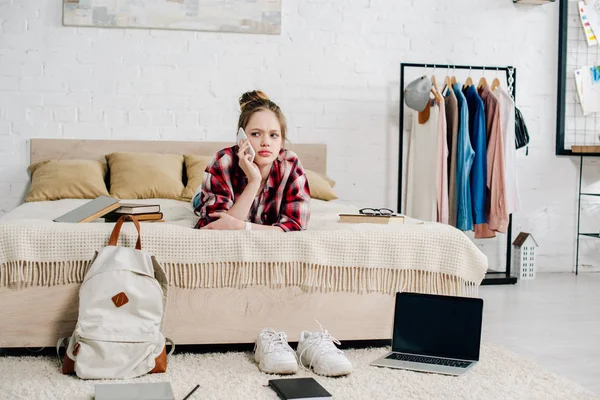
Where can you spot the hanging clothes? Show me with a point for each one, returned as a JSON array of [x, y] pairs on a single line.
[[452, 139], [497, 215], [478, 138], [421, 196], [441, 177], [464, 162], [507, 127]]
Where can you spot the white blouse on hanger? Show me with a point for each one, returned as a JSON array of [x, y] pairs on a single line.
[[421, 189], [507, 126]]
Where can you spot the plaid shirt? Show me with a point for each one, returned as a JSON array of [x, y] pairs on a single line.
[[283, 202]]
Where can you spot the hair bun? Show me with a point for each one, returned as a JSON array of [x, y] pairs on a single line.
[[249, 97]]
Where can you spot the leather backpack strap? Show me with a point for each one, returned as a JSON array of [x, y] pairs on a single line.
[[172, 343], [114, 236]]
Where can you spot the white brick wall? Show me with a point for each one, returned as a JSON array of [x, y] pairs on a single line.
[[334, 70]]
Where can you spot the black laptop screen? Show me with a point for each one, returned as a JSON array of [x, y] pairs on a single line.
[[442, 326]]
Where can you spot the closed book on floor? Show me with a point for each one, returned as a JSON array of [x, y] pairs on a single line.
[[90, 211], [371, 219], [137, 208], [299, 389]]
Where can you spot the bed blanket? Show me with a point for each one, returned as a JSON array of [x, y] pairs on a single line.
[[328, 256]]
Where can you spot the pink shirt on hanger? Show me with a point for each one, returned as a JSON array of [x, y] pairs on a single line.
[[498, 215]]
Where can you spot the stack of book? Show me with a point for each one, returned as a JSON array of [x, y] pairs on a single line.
[[108, 209], [142, 212]]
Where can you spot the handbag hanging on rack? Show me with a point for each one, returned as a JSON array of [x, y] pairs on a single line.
[[521, 133]]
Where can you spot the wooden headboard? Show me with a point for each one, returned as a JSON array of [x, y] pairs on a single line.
[[313, 156]]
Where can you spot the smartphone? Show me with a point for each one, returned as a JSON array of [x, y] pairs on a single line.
[[241, 135]]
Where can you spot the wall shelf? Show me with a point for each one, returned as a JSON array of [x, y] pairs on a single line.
[[538, 2], [580, 193], [594, 235]]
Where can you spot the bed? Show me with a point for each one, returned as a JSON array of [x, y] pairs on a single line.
[[225, 286]]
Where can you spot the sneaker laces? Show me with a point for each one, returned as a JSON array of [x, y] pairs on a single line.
[[277, 341], [324, 342]]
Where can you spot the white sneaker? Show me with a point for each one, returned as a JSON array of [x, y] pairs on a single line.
[[273, 353], [317, 350]]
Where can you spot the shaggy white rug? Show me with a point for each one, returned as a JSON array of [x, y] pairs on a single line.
[[234, 375]]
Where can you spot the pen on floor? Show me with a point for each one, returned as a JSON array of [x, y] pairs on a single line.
[[190, 393]]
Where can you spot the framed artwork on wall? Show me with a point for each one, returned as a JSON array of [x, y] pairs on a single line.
[[242, 16]]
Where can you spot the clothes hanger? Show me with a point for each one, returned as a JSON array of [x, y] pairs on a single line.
[[496, 81], [482, 82], [433, 80], [436, 93], [454, 75], [447, 82], [469, 81]]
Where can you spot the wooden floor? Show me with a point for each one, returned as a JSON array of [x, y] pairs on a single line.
[[553, 320]]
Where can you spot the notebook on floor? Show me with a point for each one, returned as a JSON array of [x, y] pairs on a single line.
[[434, 333], [299, 389]]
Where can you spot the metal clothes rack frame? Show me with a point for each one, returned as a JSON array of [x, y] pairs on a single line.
[[492, 277]]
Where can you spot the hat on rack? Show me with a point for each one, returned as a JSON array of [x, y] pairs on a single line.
[[416, 94]]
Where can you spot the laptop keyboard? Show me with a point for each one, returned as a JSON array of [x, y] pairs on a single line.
[[429, 360]]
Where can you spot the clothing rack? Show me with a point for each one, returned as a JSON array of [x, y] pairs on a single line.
[[492, 277]]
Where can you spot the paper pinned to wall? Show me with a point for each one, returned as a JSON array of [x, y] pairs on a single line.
[[593, 14], [584, 16], [579, 87], [587, 81]]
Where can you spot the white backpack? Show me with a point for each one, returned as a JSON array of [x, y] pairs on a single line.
[[122, 304]]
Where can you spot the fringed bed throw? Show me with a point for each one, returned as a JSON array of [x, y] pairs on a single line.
[[429, 258]]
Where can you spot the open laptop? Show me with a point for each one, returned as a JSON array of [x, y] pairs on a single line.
[[434, 333]]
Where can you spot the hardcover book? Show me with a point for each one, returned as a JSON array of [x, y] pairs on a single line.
[[134, 209], [371, 219], [90, 211], [114, 217]]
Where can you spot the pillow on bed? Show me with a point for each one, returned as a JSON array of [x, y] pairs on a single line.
[[145, 175], [320, 188], [328, 179], [194, 167], [67, 179]]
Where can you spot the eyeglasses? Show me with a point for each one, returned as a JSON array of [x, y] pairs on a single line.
[[376, 211]]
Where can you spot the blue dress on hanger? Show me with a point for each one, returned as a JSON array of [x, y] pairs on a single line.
[[464, 162], [479, 145]]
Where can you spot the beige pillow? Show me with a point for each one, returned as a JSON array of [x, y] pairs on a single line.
[[328, 179], [194, 168], [67, 179], [319, 186], [145, 175]]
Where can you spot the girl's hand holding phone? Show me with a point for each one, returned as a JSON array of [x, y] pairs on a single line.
[[247, 162]]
